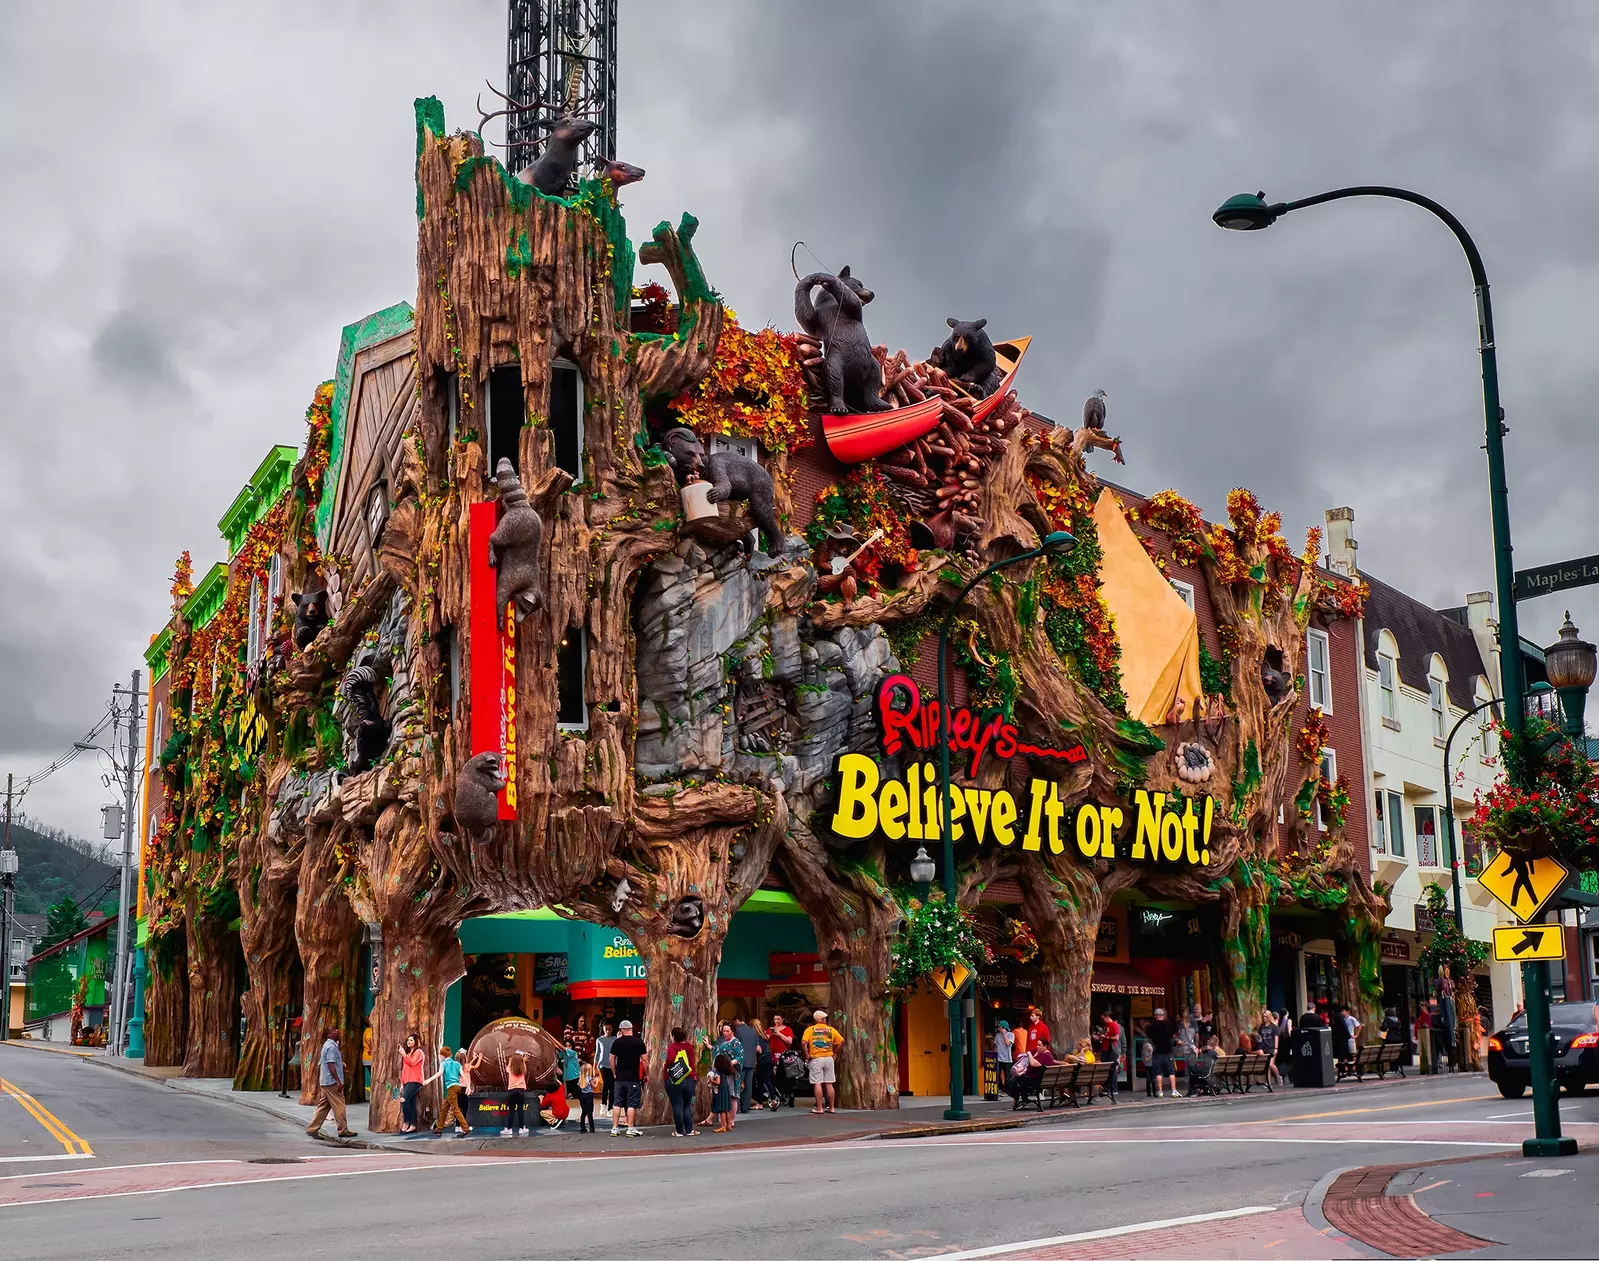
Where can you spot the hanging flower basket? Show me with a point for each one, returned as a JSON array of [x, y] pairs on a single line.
[[1548, 804], [935, 935]]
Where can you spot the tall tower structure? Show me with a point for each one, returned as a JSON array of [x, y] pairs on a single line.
[[561, 55]]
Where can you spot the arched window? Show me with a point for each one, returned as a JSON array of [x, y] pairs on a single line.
[[1388, 678], [1437, 695]]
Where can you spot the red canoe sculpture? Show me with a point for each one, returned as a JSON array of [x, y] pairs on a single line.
[[862, 436]]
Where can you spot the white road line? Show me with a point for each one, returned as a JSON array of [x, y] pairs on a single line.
[[1111, 1232], [237, 1182], [18, 1160], [1129, 1142], [154, 1164]]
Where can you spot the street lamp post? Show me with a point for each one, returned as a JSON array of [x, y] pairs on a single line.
[[1449, 811], [1052, 542], [1249, 212]]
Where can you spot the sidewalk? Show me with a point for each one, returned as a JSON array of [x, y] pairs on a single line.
[[917, 1117]]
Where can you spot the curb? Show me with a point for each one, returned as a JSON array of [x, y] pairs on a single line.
[[1312, 1209]]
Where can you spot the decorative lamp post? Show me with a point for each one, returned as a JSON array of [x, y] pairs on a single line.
[[1571, 665], [1249, 212], [1054, 541], [922, 870]]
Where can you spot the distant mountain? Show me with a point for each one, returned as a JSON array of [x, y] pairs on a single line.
[[52, 862]]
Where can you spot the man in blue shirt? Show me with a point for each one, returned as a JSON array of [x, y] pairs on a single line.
[[330, 1086]]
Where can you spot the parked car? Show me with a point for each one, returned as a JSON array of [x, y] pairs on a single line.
[[1576, 1038]]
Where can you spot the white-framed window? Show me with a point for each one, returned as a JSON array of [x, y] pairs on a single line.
[[1396, 825], [273, 595], [1489, 743], [1379, 831], [1435, 700], [1318, 671], [566, 416], [1184, 589], [1329, 772], [1387, 685], [1427, 836], [571, 668], [157, 721], [253, 631]]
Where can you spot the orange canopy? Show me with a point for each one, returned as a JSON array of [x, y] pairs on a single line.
[[1158, 631]]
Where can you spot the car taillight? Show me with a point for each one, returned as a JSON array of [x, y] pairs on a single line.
[[1583, 1040], [1494, 1044]]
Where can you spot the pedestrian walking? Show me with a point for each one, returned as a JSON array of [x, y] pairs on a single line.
[[1266, 1040], [602, 1061], [678, 1076], [516, 1097], [413, 1061], [749, 1043], [1162, 1037], [330, 1086], [1037, 1029], [628, 1054], [1423, 1035], [821, 1042], [449, 1074], [588, 1078]]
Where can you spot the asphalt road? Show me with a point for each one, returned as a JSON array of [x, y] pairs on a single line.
[[142, 1194]]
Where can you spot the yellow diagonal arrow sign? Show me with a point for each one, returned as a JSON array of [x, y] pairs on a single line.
[[1527, 942], [1523, 884]]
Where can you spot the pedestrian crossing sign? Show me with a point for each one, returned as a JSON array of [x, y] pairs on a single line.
[[1523, 884], [950, 978]]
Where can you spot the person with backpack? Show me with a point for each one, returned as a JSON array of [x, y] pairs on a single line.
[[678, 1076]]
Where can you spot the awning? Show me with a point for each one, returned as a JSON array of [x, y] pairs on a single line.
[[1123, 978]]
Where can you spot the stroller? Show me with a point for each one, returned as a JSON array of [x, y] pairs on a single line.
[[1202, 1076], [789, 1076]]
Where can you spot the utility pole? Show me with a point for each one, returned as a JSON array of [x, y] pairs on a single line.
[[8, 879], [126, 928]]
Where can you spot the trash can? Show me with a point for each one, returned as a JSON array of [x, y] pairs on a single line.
[[1313, 1058]]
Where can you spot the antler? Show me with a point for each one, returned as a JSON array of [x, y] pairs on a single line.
[[513, 106]]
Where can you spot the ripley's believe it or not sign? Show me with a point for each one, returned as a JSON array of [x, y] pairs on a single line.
[[867, 803]]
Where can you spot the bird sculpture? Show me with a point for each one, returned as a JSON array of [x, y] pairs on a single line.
[[1093, 434], [1094, 411]]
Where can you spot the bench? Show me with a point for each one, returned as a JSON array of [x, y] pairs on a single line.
[[1380, 1058], [1062, 1084], [1245, 1072]]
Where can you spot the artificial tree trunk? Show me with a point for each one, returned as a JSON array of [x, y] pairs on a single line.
[[166, 1019], [1357, 939], [269, 880], [327, 933], [714, 843], [852, 911], [214, 981]]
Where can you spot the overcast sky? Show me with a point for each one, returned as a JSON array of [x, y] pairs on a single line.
[[199, 199]]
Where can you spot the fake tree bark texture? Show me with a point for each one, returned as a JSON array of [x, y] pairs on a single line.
[[268, 879], [1358, 943], [714, 842], [214, 981], [852, 911], [328, 937], [1063, 903], [166, 1015]]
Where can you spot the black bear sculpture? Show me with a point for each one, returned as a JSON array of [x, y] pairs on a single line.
[[310, 616], [968, 356], [732, 476], [854, 377]]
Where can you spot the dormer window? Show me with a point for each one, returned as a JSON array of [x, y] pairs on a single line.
[[377, 514], [1388, 687]]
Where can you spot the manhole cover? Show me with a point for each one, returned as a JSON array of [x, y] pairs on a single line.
[[275, 1160]]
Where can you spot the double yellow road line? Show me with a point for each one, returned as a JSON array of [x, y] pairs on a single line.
[[73, 1145]]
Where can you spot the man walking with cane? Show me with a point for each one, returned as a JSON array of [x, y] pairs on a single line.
[[330, 1086]]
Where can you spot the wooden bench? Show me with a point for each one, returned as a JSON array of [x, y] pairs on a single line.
[[1393, 1059], [1251, 1070], [1062, 1084], [1368, 1059]]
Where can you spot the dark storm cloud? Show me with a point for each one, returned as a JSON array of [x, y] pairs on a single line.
[[179, 263]]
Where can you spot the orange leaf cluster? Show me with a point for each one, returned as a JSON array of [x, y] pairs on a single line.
[[755, 389]]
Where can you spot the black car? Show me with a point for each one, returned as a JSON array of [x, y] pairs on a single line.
[[1576, 1038]]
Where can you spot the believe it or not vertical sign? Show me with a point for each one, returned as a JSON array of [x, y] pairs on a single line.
[[492, 684]]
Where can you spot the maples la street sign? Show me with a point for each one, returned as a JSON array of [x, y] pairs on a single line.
[[1523, 884], [951, 978], [1524, 943]]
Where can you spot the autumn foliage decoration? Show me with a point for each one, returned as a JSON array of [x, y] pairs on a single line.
[[755, 389], [862, 499]]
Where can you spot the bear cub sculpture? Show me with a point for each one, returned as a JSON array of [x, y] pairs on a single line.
[[854, 377], [310, 616], [732, 476], [968, 356]]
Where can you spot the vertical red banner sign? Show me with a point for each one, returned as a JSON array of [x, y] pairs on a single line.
[[493, 676]]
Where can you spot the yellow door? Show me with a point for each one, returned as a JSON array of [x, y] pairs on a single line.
[[927, 1043]]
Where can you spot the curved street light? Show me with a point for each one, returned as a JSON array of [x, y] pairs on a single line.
[[1052, 542], [1250, 212]]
